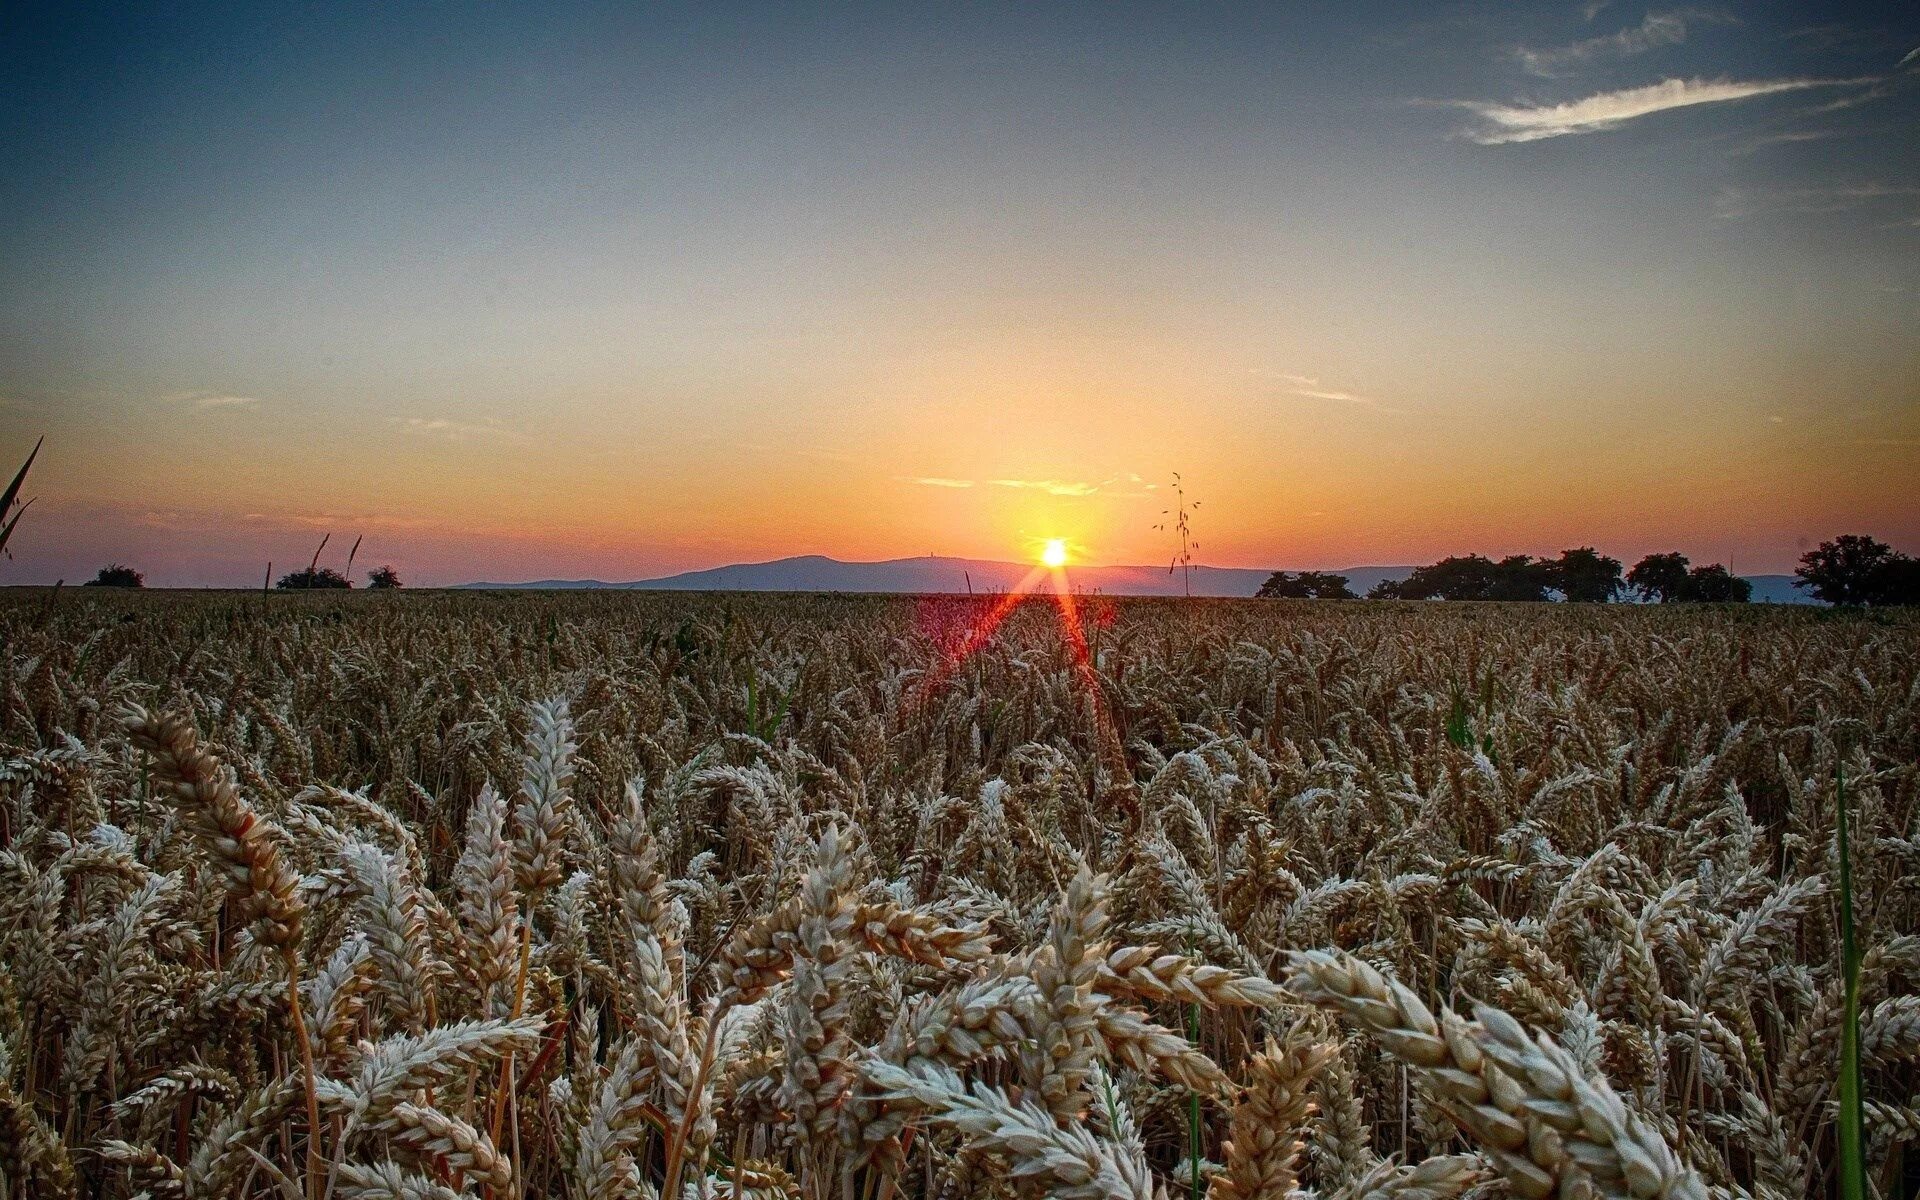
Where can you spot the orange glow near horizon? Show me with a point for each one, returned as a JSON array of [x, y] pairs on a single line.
[[771, 316]]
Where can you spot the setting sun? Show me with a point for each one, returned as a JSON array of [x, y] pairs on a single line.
[[1054, 553]]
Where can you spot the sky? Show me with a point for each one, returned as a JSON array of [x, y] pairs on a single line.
[[522, 292]]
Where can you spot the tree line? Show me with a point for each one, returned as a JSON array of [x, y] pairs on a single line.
[[117, 575], [1852, 570]]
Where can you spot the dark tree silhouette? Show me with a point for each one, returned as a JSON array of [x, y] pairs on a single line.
[[1855, 569], [382, 579], [1462, 577], [1714, 584], [1659, 577], [1327, 585], [1519, 577], [313, 577], [1899, 581], [1472, 577], [115, 575], [1586, 576], [1305, 585]]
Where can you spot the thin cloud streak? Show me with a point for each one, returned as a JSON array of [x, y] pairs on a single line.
[[1126, 486], [1308, 386], [1879, 91], [1656, 30], [452, 430], [1129, 486], [1734, 203], [1790, 137], [209, 401], [1052, 487], [1509, 123], [191, 520]]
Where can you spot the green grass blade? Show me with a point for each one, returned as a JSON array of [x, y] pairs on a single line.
[[6, 531], [1853, 1160], [13, 489], [12, 494]]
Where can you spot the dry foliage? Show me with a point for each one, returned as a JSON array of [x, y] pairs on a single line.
[[626, 895]]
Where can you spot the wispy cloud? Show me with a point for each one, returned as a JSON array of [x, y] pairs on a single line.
[[1123, 486], [1879, 91], [452, 430], [1912, 55], [209, 401], [1655, 30], [1505, 123], [326, 522], [1310, 387], [1052, 487], [215, 521], [1127, 486], [1788, 138], [1734, 203]]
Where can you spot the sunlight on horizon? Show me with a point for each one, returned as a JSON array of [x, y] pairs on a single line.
[[619, 292]]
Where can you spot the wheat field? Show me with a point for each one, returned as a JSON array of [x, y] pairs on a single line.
[[628, 895]]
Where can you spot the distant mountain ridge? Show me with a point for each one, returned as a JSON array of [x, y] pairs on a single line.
[[933, 574]]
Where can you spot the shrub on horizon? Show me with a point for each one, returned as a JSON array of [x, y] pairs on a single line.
[[1305, 585], [116, 576], [313, 577]]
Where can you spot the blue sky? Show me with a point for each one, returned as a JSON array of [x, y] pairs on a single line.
[[579, 289]]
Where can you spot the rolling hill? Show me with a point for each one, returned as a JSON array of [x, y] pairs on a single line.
[[934, 574]]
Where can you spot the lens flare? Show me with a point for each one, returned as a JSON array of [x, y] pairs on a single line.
[[976, 623]]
